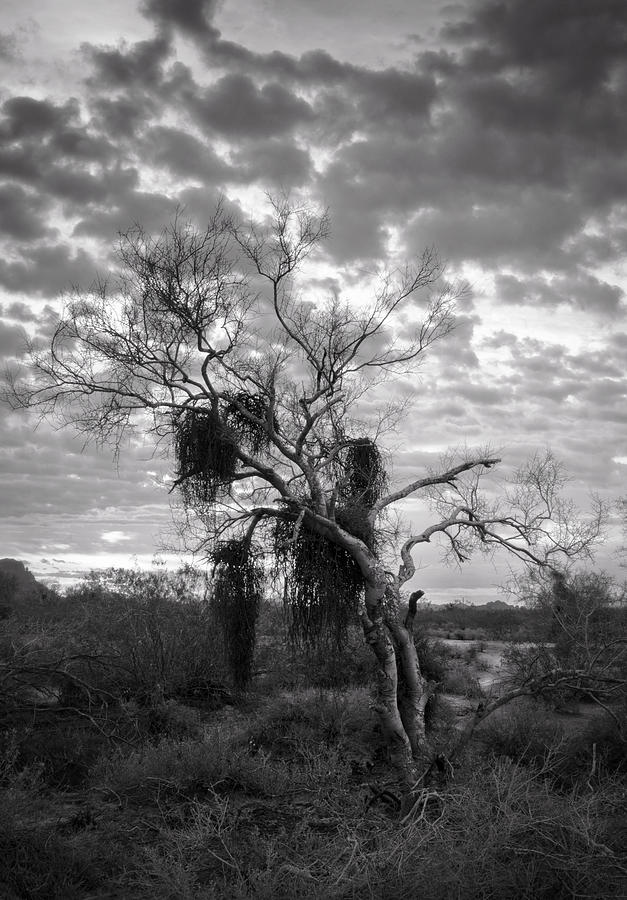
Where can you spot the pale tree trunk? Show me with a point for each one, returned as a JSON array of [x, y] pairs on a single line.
[[401, 691], [413, 690], [386, 704]]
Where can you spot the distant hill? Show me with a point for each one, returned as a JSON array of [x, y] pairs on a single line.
[[24, 578], [495, 620], [18, 586]]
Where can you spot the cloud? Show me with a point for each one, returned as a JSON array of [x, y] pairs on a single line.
[[279, 162], [121, 67], [48, 270], [549, 37], [499, 140], [29, 117], [123, 117], [8, 47], [115, 537], [152, 210], [186, 155], [12, 340], [22, 214], [57, 157], [191, 17], [237, 108], [20, 312]]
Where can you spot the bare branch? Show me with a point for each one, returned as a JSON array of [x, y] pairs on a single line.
[[447, 477]]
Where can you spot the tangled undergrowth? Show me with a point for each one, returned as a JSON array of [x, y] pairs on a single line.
[[131, 768], [283, 799]]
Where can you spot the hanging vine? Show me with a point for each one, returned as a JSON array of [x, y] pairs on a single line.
[[205, 454], [322, 583], [362, 485], [237, 594]]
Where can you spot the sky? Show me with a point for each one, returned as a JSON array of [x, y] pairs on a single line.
[[492, 130]]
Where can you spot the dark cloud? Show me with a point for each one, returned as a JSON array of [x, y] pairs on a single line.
[[20, 312], [122, 117], [15, 163], [28, 117], [579, 289], [236, 107], [36, 166], [576, 45], [47, 147], [151, 210], [8, 47], [391, 95], [192, 17], [78, 145], [12, 340], [120, 67], [528, 231], [277, 162], [23, 214], [185, 155], [82, 187], [47, 270]]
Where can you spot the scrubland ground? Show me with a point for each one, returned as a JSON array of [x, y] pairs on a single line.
[[285, 793]]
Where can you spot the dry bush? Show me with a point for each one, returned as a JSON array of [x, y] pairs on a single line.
[[523, 732], [598, 751], [155, 630], [501, 834], [314, 717], [217, 818], [286, 666], [185, 769], [527, 732], [460, 681], [433, 656], [46, 854]]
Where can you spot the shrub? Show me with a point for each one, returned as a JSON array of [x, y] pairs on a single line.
[[313, 717], [523, 732], [187, 769], [42, 854], [458, 680], [593, 754], [433, 657], [154, 631], [285, 666], [163, 718]]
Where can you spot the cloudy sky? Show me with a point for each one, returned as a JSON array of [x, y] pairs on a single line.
[[494, 130]]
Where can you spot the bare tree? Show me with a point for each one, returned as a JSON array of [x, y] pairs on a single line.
[[203, 338]]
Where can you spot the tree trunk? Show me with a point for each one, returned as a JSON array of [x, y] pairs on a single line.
[[413, 692], [386, 705], [401, 691]]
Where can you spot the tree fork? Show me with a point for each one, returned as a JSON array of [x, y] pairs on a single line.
[[413, 690], [386, 703]]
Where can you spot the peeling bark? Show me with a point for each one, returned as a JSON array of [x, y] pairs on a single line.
[[401, 694], [386, 704], [412, 689]]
